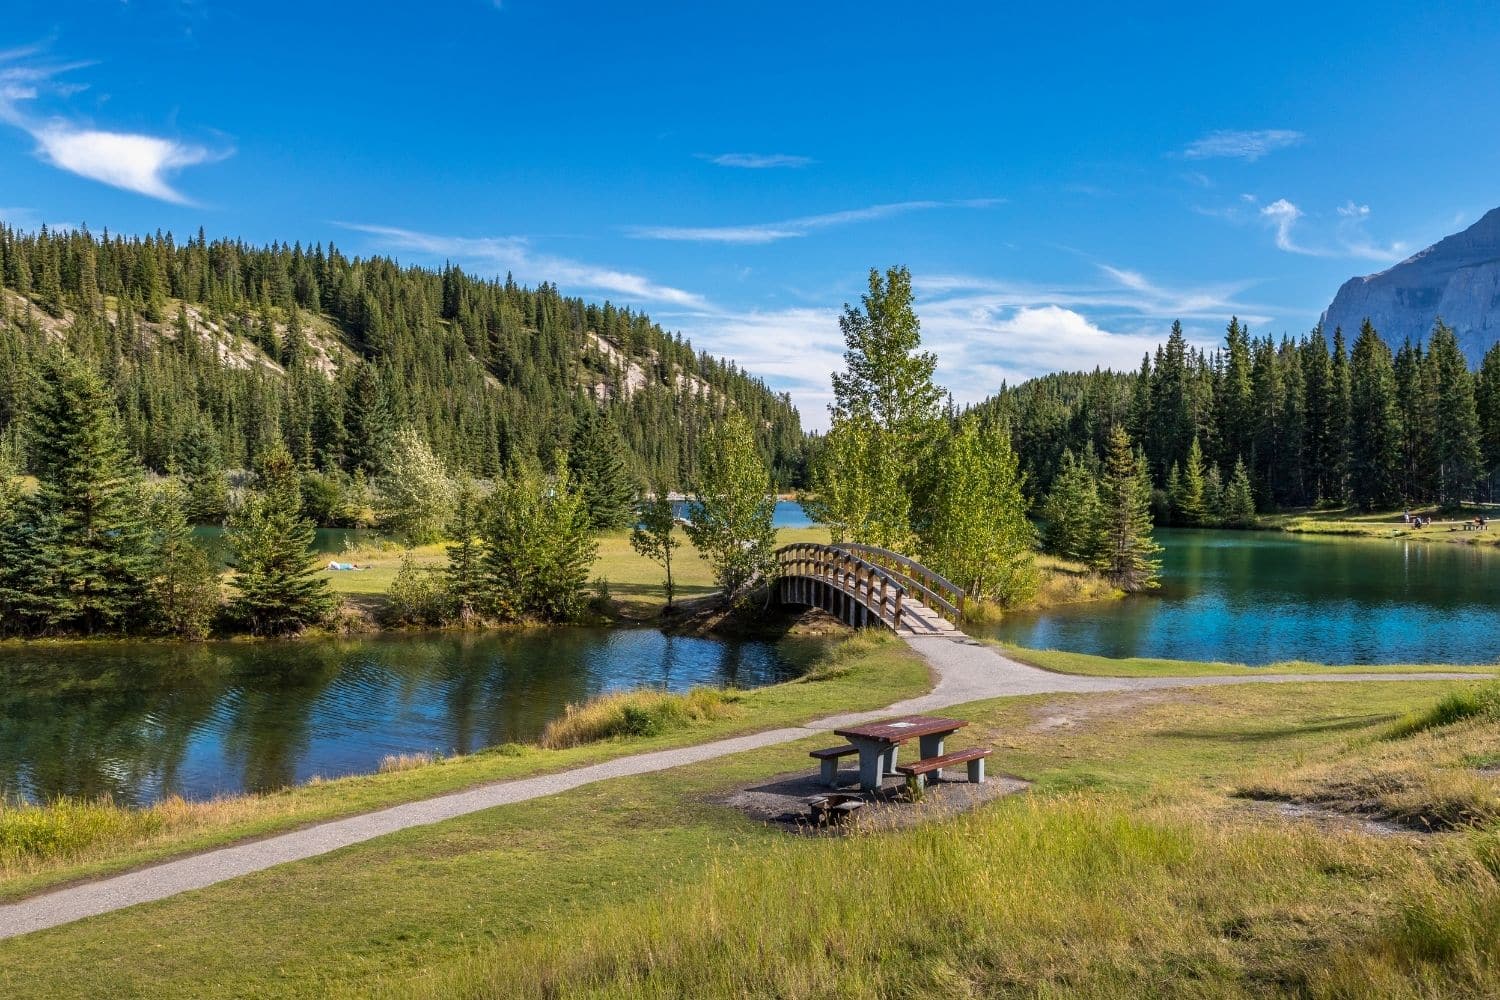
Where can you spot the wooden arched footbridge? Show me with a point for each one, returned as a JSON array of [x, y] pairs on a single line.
[[864, 585]]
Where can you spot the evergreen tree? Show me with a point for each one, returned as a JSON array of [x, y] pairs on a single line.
[[978, 534], [1125, 548], [1238, 508], [184, 585], [202, 470], [465, 569], [415, 494], [1213, 496], [732, 511], [1340, 417], [368, 421], [1071, 512], [1191, 506], [81, 561], [1487, 404], [538, 547], [1456, 436], [653, 536], [1374, 425], [279, 589], [597, 461]]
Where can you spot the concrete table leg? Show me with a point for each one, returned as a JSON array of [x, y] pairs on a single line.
[[890, 759], [871, 761], [931, 746]]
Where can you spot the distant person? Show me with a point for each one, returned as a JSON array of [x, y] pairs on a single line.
[[1406, 516]]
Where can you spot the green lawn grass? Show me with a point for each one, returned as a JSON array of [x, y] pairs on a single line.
[[1387, 524], [865, 672], [1063, 662], [1128, 870]]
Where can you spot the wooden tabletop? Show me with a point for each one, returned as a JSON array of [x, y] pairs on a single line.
[[905, 728]]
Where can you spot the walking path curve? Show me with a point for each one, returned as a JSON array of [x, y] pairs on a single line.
[[967, 671]]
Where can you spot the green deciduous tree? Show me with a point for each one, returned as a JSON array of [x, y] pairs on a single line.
[[732, 511], [1125, 547], [538, 547], [654, 535], [859, 489], [277, 583], [414, 492], [978, 534]]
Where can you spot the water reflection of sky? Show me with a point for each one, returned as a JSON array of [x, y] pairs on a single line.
[[1259, 598], [137, 721]]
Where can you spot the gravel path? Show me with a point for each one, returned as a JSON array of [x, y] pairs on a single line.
[[967, 671]]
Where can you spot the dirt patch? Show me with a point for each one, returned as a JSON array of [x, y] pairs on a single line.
[[1068, 714], [1331, 819], [783, 802]]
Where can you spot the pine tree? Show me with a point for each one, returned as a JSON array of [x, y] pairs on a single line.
[[1487, 404], [202, 470], [87, 568], [1238, 507], [978, 534], [465, 570], [732, 511], [1125, 548], [1374, 426], [415, 494], [1456, 437], [1340, 417], [538, 547], [279, 589], [653, 536], [1189, 501], [1071, 512], [1171, 515], [1213, 496], [369, 422], [597, 461]]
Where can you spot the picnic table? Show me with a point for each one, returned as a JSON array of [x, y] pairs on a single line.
[[878, 742]]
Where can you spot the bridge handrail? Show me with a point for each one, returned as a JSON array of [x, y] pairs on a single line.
[[919, 578], [830, 559]]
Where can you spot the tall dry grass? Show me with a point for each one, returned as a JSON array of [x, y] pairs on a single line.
[[636, 713], [1070, 896]]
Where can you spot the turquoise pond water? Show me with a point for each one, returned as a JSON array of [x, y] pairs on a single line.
[[1260, 597]]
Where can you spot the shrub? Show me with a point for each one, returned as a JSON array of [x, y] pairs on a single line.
[[417, 596]]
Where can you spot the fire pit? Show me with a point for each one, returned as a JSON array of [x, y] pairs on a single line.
[[835, 807]]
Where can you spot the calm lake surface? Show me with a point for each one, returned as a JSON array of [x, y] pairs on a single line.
[[1260, 597], [138, 721]]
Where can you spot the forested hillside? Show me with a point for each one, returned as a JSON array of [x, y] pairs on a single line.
[[1314, 420], [214, 351]]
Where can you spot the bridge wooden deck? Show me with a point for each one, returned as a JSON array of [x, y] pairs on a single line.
[[865, 586]]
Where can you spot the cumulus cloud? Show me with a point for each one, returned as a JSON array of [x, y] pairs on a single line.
[[130, 161], [758, 161], [1241, 145], [770, 232], [515, 255]]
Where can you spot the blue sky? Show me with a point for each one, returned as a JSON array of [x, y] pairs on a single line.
[[1062, 183]]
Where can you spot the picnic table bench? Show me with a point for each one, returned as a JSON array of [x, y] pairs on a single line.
[[877, 744], [924, 771]]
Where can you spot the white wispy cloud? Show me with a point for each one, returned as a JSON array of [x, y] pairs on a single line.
[[770, 232], [131, 161], [1243, 145], [514, 254], [1347, 238], [758, 161]]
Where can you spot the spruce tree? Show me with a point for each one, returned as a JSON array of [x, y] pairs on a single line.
[[1456, 438], [1374, 424], [1487, 404], [597, 461], [1071, 512], [1189, 500], [1238, 506], [184, 585], [465, 571], [278, 584], [368, 421], [202, 470], [1339, 417], [87, 568], [1124, 546]]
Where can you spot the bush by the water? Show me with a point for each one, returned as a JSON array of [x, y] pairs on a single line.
[[636, 713]]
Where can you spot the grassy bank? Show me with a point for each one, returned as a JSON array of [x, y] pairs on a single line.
[[71, 840], [1447, 524], [1063, 662], [1131, 868]]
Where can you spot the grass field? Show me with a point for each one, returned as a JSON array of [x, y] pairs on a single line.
[[1387, 524], [1133, 867]]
